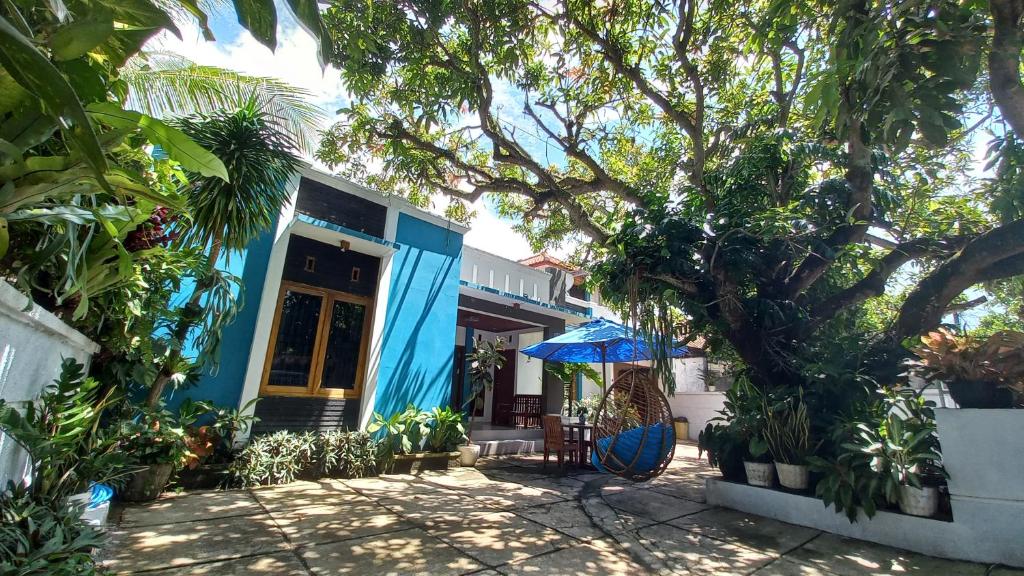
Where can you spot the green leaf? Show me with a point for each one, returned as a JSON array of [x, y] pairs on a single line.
[[308, 14], [178, 146], [36, 74], [259, 17], [193, 8], [80, 36]]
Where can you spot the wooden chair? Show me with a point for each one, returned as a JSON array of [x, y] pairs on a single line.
[[554, 440], [526, 410]]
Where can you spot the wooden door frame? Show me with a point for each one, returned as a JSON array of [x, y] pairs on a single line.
[[313, 389]]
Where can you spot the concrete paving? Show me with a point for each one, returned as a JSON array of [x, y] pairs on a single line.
[[507, 516]]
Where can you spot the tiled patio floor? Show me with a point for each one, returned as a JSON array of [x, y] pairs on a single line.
[[505, 517]]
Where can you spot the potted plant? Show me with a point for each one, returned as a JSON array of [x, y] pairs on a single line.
[[904, 452], [485, 358], [757, 462], [210, 433], [401, 446], [727, 437], [980, 373], [156, 442], [788, 434], [446, 434], [68, 450]]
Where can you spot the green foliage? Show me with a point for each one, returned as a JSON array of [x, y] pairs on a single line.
[[38, 538], [165, 84], [153, 436], [446, 429], [62, 435], [260, 159], [892, 443], [283, 457], [347, 454], [278, 458], [485, 358], [401, 433], [210, 430], [568, 373], [788, 430]]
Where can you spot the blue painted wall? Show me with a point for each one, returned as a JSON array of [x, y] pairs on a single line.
[[224, 387], [419, 329]]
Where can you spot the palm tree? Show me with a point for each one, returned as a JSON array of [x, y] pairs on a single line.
[[260, 159], [164, 84]]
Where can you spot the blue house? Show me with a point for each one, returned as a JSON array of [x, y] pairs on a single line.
[[358, 303]]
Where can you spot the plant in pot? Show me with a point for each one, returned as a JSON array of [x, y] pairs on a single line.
[[154, 441], [210, 438], [788, 434], [447, 432], [904, 452], [980, 373], [401, 436], [726, 438], [757, 462], [67, 449], [483, 360]]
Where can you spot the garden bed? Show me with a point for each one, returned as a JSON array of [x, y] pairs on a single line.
[[423, 461], [963, 540]]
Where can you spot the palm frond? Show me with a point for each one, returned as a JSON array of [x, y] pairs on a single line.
[[165, 85]]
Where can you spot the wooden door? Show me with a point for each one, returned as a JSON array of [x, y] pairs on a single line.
[[504, 390]]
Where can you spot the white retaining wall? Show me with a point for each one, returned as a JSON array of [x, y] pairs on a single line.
[[33, 343]]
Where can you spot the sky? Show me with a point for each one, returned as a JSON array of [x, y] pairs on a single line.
[[295, 62]]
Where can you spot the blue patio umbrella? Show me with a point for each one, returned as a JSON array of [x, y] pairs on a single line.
[[597, 341]]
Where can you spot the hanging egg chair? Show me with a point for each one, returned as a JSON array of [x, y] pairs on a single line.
[[633, 433]]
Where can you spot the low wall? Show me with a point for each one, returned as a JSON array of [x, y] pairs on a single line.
[[698, 407], [963, 539], [33, 343]]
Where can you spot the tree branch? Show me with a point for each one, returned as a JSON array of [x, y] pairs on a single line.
[[874, 283], [998, 253]]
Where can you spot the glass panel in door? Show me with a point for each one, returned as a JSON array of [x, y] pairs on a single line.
[[344, 342], [296, 339]]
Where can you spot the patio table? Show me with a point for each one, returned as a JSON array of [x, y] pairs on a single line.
[[586, 433]]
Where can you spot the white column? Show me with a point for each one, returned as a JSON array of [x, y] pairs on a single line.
[[380, 310]]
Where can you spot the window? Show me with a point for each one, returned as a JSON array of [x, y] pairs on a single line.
[[318, 344], [355, 274], [310, 264]]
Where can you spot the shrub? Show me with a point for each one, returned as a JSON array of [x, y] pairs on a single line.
[[62, 436], [283, 457], [44, 538], [347, 454], [446, 430], [153, 437]]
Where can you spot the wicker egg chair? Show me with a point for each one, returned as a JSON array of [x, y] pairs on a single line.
[[633, 433]]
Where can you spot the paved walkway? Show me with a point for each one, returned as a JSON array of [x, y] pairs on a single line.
[[505, 517]]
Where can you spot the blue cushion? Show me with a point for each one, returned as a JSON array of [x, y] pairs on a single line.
[[660, 439]]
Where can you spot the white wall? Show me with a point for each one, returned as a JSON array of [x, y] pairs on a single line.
[[33, 344], [529, 371], [486, 269], [698, 407]]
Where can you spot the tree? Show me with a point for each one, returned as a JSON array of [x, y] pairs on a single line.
[[767, 167], [163, 84], [483, 361], [226, 215]]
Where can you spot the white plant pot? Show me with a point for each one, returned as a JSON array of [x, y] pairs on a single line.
[[759, 473], [792, 476], [468, 454], [919, 501]]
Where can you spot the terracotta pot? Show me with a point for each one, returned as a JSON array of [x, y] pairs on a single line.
[[918, 501], [147, 484], [468, 454], [792, 476], [759, 473]]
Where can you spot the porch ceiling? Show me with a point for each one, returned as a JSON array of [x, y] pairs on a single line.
[[480, 321]]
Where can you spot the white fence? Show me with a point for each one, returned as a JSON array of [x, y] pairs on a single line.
[[486, 269], [33, 343]]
